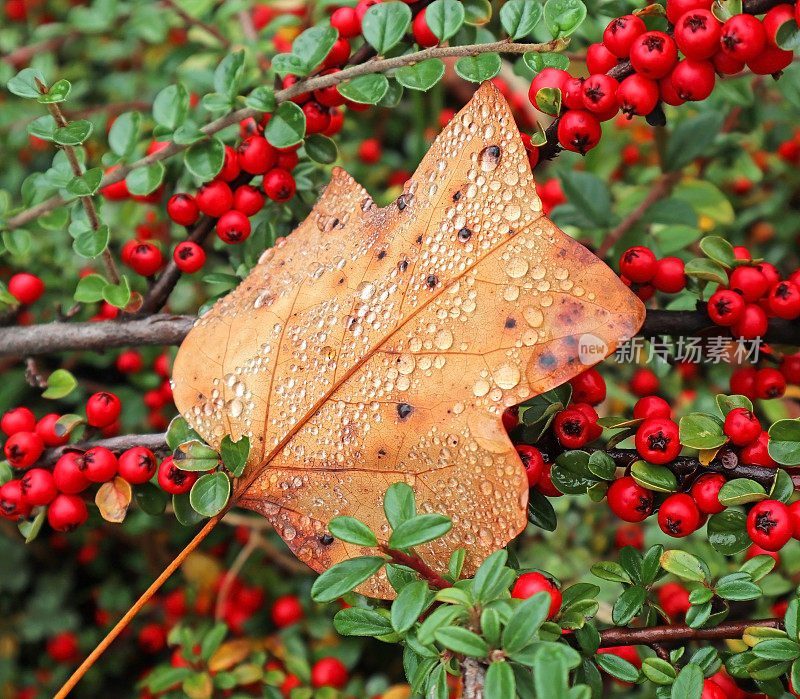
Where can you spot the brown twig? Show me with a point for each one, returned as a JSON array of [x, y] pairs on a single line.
[[230, 574], [155, 442], [418, 565], [681, 633]]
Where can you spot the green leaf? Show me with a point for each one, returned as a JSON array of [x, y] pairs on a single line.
[[738, 491], [658, 671], [588, 193], [411, 601], [150, 499], [74, 133], [562, 17], [235, 454], [728, 403], [541, 512], [59, 384], [610, 570], [489, 575], [228, 74], [419, 530], [689, 684], [719, 250], [86, 184], [791, 618], [171, 105], [758, 566], [184, 512], [30, 529], [707, 200], [287, 126], [179, 432], [90, 288], [683, 564], [58, 92], [780, 649], [289, 64], [456, 563], [352, 530], [321, 149], [461, 640], [205, 159], [727, 532], [551, 662], [118, 295], [23, 84], [628, 605], [420, 76], [261, 98], [313, 45], [651, 564], [343, 577], [355, 621], [213, 640], [782, 487], [499, 682], [654, 477], [784, 441], [385, 24], [144, 180], [124, 133], [706, 270], [477, 12], [365, 89], [444, 18], [44, 127], [737, 587], [399, 504], [538, 61], [691, 138], [520, 17], [88, 242], [701, 431], [617, 667], [602, 465], [478, 68], [210, 493], [787, 37], [524, 623]]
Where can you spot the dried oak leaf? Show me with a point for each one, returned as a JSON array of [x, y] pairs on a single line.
[[375, 345]]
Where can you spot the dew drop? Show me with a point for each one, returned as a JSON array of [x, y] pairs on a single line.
[[533, 316], [517, 267], [507, 376], [444, 339]]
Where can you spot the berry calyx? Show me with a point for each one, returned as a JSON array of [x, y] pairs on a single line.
[[657, 440], [233, 227], [769, 525], [189, 257]]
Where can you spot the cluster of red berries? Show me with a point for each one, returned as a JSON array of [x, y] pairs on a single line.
[[645, 274], [755, 293], [156, 399], [765, 383], [709, 47]]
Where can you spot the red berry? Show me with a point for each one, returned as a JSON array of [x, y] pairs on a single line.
[[26, 288], [571, 428], [279, 185], [533, 462], [233, 227], [182, 208], [599, 93], [152, 638], [669, 277], [215, 198], [67, 512], [548, 78], [651, 406], [769, 383], [102, 409], [693, 80], [329, 672], [335, 126], [13, 505], [725, 307], [777, 16], [339, 53], [790, 367], [230, 166], [545, 485], [63, 647], [579, 131], [286, 611], [742, 427], [619, 35], [697, 34], [637, 95], [173, 480], [770, 61], [22, 449], [743, 37], [757, 452], [629, 535], [137, 465], [711, 690], [129, 362], [752, 324], [769, 525], [628, 500], [510, 418], [725, 64], [588, 387], [750, 282], [529, 584], [678, 515], [599, 59], [17, 420], [591, 415], [346, 21], [289, 160], [369, 151], [771, 273], [644, 382], [653, 54], [318, 118], [68, 474], [38, 486], [742, 382], [674, 600], [116, 191], [784, 300], [46, 429], [705, 492], [794, 518], [422, 32], [657, 440], [99, 465], [145, 259], [189, 256], [256, 155]]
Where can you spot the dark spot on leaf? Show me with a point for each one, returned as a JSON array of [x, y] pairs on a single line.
[[381, 254], [464, 234], [326, 539], [511, 323], [457, 196], [431, 280], [404, 410]]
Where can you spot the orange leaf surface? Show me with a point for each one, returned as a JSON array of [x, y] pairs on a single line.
[[376, 345]]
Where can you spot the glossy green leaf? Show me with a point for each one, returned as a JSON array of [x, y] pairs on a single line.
[[365, 89], [385, 24], [59, 384], [478, 68], [352, 530], [421, 76], [444, 18], [343, 577]]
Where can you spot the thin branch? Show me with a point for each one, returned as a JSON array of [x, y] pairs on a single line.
[[418, 565], [315, 83], [230, 574], [155, 442], [473, 676], [681, 633]]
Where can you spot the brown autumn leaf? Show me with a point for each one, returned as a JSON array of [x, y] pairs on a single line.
[[376, 345], [113, 499]]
